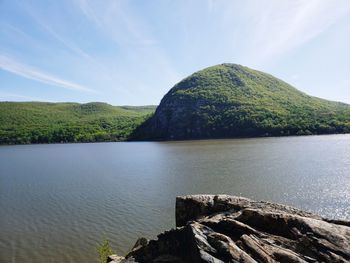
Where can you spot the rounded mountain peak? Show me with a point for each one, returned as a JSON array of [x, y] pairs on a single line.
[[230, 100]]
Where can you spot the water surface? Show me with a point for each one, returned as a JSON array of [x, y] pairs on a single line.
[[57, 201]]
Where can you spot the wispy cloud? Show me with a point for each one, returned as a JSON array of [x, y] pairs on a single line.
[[45, 24], [283, 26], [88, 11], [10, 96], [133, 35], [11, 65], [65, 42], [133, 53], [114, 18]]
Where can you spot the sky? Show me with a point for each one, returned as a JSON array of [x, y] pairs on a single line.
[[131, 52]]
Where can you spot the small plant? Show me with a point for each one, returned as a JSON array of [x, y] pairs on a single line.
[[104, 250]]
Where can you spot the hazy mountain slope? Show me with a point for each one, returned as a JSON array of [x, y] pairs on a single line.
[[40, 122], [230, 100]]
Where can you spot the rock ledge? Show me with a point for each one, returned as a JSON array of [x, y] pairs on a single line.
[[223, 228]]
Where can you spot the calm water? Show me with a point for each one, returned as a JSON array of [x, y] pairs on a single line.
[[58, 201]]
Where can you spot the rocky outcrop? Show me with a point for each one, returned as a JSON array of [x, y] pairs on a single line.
[[222, 228]]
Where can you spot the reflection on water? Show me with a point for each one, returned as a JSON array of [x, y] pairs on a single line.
[[57, 201]]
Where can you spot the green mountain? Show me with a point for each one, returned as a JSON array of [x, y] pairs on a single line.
[[40, 122], [222, 101], [230, 100]]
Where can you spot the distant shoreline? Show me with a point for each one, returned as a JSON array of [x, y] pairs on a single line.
[[185, 140]]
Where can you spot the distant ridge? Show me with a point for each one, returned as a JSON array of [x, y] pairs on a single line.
[[230, 100], [46, 122]]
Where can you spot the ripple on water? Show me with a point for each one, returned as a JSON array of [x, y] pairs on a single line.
[[57, 213]]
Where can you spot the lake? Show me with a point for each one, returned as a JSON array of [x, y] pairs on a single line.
[[57, 201]]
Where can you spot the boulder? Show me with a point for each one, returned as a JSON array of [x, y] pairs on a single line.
[[222, 228]]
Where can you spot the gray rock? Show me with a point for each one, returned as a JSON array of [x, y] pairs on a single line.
[[119, 259], [222, 228]]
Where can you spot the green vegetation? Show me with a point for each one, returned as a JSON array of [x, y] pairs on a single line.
[[104, 250], [39, 122], [230, 100], [222, 101]]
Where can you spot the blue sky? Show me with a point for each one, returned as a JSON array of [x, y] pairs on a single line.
[[132, 52]]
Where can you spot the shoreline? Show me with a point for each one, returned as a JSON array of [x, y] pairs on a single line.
[[182, 140]]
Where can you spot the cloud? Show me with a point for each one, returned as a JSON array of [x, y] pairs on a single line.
[[274, 28], [10, 96], [65, 42], [15, 67], [88, 11], [137, 44], [118, 22], [45, 24]]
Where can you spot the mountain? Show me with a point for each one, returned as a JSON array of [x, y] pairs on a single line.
[[223, 101], [40, 122], [230, 100]]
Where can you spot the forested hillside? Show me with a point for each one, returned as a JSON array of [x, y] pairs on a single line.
[[40, 122]]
